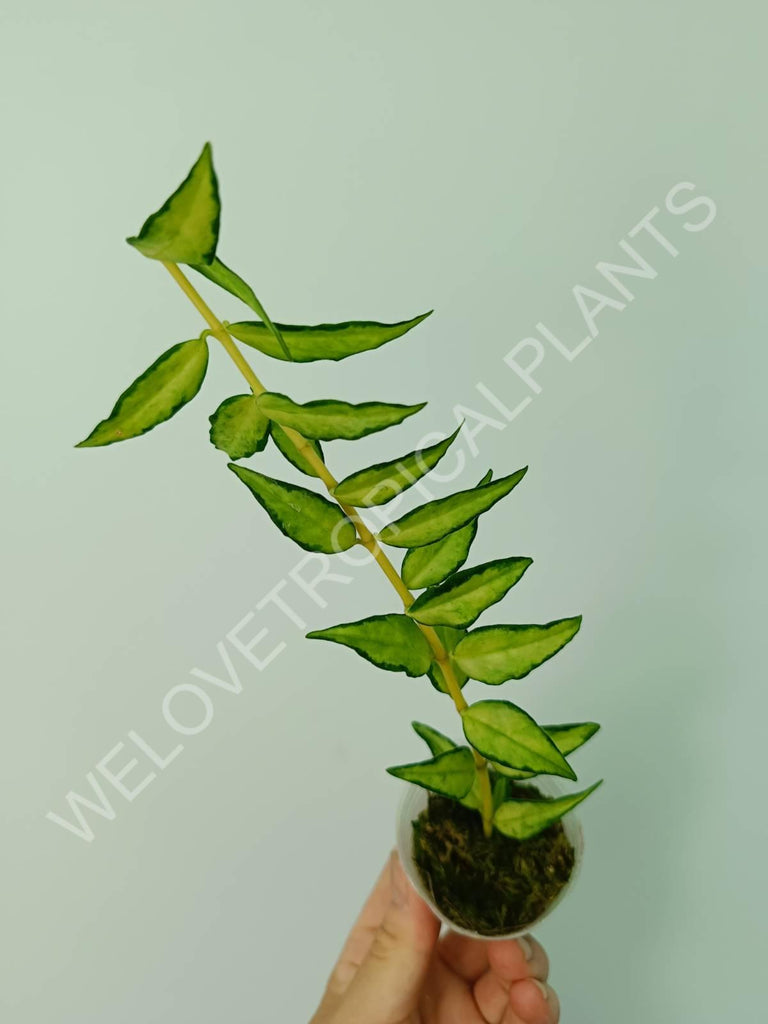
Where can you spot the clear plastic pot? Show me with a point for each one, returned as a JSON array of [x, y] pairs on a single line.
[[414, 801]]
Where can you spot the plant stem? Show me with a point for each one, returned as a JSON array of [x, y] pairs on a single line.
[[367, 539], [217, 327]]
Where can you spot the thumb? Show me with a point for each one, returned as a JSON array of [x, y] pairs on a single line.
[[387, 987]]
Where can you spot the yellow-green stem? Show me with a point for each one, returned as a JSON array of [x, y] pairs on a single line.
[[218, 329], [367, 539]]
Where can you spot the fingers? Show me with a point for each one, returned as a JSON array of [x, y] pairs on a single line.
[[510, 978], [510, 963], [522, 958], [532, 1002], [466, 957], [387, 985]]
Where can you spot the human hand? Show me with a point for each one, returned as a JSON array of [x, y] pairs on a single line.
[[394, 969]]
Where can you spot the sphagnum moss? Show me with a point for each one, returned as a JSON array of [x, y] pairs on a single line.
[[492, 885]]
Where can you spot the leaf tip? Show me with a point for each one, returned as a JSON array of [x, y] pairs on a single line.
[[91, 441]]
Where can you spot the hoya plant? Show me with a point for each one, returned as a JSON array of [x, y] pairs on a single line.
[[481, 789]]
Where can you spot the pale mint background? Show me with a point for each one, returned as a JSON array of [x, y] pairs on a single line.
[[377, 160]]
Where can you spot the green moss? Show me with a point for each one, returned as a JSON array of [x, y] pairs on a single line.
[[491, 886]]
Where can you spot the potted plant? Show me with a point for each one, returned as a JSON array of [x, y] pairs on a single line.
[[483, 833]]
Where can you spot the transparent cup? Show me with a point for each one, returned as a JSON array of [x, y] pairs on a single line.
[[414, 801]]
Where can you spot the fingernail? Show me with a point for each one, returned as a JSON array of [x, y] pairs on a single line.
[[526, 947], [399, 883], [544, 989]]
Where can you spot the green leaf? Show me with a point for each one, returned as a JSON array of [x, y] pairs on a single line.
[[227, 279], [430, 522], [512, 773], [449, 637], [292, 453], [315, 523], [570, 737], [380, 483], [239, 428], [186, 227], [168, 384], [500, 787], [522, 819], [474, 798], [393, 642], [467, 594], [567, 738], [450, 774], [494, 654], [436, 741], [328, 420], [321, 341], [503, 732], [432, 563], [439, 744]]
